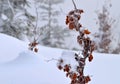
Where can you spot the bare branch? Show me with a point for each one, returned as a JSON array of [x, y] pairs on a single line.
[[74, 4], [51, 60], [36, 18], [36, 25]]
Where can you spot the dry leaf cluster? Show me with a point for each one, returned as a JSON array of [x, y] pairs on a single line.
[[78, 77]]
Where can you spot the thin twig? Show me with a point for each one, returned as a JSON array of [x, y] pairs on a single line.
[[36, 25], [36, 10], [51, 60], [74, 4]]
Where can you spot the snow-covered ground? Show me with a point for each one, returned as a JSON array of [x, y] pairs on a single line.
[[18, 65]]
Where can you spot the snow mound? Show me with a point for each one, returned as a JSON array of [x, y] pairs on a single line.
[[25, 58], [18, 65], [10, 48], [69, 58]]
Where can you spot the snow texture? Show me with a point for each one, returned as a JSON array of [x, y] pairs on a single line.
[[18, 65]]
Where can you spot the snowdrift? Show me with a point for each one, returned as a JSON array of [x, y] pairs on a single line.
[[18, 65], [10, 48]]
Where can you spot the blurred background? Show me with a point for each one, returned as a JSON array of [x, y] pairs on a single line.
[[44, 20]]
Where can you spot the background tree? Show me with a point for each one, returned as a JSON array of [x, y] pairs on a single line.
[[15, 20], [106, 24], [54, 34]]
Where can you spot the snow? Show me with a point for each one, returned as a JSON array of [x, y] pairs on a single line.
[[18, 65], [69, 58], [6, 45], [104, 69], [4, 17]]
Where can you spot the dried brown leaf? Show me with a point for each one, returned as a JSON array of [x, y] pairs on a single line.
[[86, 31]]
